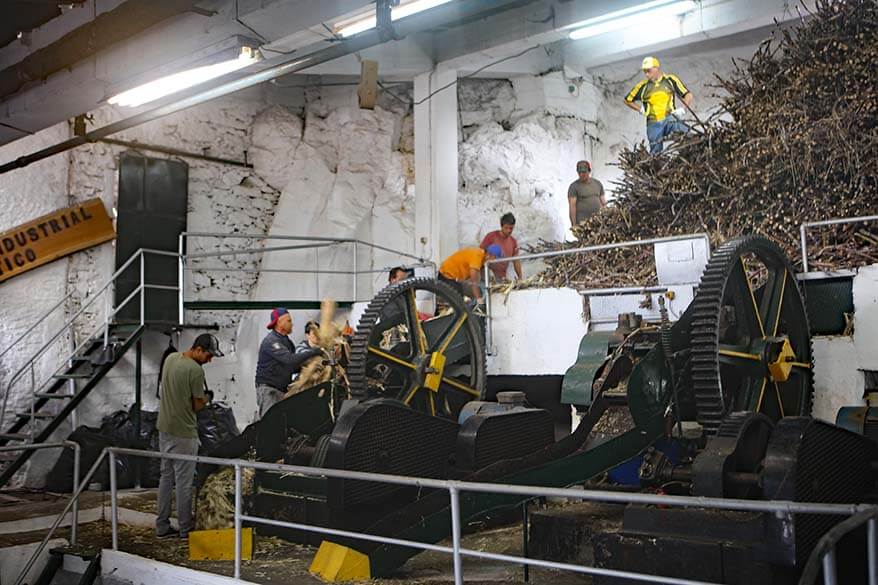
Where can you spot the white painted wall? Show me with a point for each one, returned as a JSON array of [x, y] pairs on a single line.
[[536, 331]]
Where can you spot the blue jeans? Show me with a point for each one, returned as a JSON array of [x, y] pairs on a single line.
[[658, 131]]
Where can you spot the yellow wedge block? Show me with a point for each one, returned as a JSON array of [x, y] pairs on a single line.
[[334, 563], [219, 545]]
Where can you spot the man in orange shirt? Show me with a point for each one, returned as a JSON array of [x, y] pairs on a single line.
[[465, 265], [508, 244]]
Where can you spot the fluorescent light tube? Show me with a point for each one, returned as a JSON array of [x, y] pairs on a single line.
[[397, 13], [642, 15], [165, 86]]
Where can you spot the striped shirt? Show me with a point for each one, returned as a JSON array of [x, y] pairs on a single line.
[[658, 96]]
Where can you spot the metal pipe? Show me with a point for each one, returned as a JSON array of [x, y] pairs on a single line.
[[258, 250], [138, 396], [841, 220], [42, 546], [74, 521], [161, 287], [524, 536], [455, 534], [356, 273], [622, 290], [597, 248], [829, 574], [872, 542], [489, 320], [527, 491], [804, 244], [437, 17], [142, 291], [114, 516], [282, 270], [181, 274], [807, 224], [176, 152], [237, 521], [306, 239]]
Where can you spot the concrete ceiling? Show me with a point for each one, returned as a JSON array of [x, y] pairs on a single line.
[[527, 37]]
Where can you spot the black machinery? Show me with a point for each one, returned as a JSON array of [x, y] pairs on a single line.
[[730, 383]]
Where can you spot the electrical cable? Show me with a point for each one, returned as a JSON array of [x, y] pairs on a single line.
[[255, 32], [16, 128]]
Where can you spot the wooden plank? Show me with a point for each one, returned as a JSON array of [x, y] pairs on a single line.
[[53, 236], [367, 91]]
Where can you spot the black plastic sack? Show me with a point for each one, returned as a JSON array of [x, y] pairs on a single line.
[[216, 426], [91, 442], [150, 469]]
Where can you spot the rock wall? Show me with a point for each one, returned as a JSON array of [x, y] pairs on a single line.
[[518, 154]]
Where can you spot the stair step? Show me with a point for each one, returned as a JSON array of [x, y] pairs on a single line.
[[36, 415], [53, 395], [72, 376], [14, 436]]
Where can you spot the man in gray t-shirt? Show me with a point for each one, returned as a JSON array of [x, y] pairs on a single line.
[[585, 195]]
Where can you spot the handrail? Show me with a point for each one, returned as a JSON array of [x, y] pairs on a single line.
[[823, 555], [489, 330], [454, 488], [803, 227], [303, 238], [89, 301]]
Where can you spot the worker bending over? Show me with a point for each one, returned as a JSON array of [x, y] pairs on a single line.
[[465, 265], [657, 96]]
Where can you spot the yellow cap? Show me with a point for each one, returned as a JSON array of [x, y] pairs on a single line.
[[649, 63]]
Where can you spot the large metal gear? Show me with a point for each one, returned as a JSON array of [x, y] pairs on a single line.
[[750, 341], [434, 365]]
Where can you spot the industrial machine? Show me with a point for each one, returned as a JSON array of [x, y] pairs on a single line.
[[729, 383]]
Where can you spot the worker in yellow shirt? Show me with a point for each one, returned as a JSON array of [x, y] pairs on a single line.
[[465, 265], [657, 96]]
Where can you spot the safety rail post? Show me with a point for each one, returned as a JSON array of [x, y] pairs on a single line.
[[181, 278], [804, 244], [872, 542], [114, 518], [74, 521], [142, 287], [356, 271], [489, 321], [829, 574], [455, 533], [237, 521]]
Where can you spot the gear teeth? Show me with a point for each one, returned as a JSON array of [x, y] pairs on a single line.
[[357, 365], [706, 384]]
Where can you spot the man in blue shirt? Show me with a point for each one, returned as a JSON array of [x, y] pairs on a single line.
[[278, 361]]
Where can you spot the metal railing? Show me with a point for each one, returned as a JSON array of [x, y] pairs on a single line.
[[311, 243], [585, 249], [803, 239], [77, 452], [454, 489], [823, 555], [106, 292]]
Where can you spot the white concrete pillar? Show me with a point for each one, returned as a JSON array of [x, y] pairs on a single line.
[[436, 177]]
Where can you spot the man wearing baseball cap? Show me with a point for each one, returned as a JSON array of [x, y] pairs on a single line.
[[657, 96], [182, 396], [278, 361], [585, 195]]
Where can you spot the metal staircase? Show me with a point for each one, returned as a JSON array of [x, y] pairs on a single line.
[[72, 373]]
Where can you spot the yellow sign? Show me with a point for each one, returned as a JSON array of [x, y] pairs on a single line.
[[54, 236]]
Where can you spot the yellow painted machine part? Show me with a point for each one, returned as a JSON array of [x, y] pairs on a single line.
[[219, 545], [334, 563], [437, 365]]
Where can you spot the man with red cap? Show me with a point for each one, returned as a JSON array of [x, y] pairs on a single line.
[[278, 361]]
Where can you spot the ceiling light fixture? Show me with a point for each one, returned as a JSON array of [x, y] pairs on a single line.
[[641, 15], [169, 84], [351, 28]]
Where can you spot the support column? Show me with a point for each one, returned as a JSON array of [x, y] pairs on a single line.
[[436, 173]]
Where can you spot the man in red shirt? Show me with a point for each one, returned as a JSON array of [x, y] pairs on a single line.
[[503, 238]]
